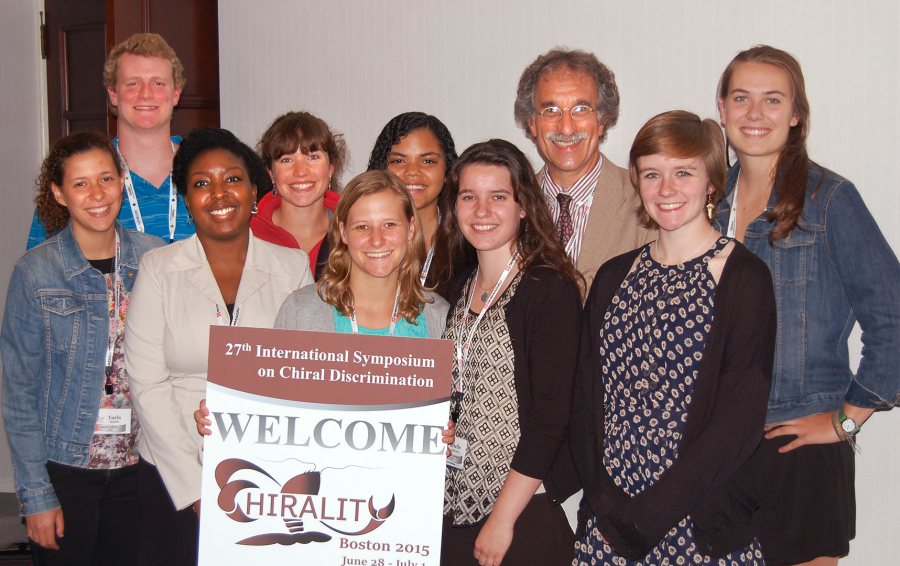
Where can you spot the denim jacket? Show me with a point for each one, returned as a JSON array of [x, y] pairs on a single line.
[[833, 270], [53, 342]]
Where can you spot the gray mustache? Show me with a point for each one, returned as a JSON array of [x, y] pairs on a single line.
[[556, 137]]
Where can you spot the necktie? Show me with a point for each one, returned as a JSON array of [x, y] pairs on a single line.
[[564, 226]]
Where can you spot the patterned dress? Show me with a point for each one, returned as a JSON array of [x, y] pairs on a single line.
[[489, 416], [654, 333]]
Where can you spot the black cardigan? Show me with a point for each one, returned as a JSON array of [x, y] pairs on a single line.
[[544, 320], [712, 479]]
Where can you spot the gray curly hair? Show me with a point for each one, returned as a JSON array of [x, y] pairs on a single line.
[[576, 60]]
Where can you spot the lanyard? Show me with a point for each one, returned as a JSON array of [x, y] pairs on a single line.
[[114, 327], [220, 318], [462, 347], [427, 266], [132, 197], [732, 216], [355, 326]]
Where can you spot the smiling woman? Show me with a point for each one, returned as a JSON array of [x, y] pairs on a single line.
[[221, 275], [304, 159], [515, 318], [371, 284], [675, 365], [66, 395]]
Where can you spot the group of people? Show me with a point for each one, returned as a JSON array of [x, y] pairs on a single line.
[[670, 338]]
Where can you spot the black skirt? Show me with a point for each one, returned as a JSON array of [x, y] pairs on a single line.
[[807, 501]]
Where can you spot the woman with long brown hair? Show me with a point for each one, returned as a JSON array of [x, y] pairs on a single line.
[[831, 267], [514, 321]]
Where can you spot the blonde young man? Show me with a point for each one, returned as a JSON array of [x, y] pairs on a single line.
[[144, 79]]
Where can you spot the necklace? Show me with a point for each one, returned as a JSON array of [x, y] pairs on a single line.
[[484, 294], [705, 245]]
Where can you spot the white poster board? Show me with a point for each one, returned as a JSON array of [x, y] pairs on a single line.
[[325, 449]]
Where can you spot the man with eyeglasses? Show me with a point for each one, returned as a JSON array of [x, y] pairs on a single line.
[[566, 101]]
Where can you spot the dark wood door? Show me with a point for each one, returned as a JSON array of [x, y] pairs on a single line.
[[192, 29], [75, 50], [80, 34]]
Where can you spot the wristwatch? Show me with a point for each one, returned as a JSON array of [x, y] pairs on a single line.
[[848, 425]]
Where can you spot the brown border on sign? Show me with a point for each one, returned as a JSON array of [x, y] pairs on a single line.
[[237, 361]]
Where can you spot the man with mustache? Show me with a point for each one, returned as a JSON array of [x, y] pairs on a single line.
[[566, 101]]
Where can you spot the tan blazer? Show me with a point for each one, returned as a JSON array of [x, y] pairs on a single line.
[[172, 306], [613, 227]]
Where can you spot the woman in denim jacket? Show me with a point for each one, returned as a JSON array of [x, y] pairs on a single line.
[[66, 397], [831, 267]]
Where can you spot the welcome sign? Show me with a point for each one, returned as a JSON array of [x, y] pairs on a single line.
[[325, 449]]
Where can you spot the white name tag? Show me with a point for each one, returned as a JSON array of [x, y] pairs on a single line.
[[457, 453], [113, 421]]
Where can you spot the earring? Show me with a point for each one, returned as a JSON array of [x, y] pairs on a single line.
[[274, 190], [329, 183], [709, 206], [190, 219], [255, 209]]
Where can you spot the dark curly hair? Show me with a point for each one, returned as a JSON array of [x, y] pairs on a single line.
[[53, 215], [301, 130], [399, 127], [204, 139], [538, 245]]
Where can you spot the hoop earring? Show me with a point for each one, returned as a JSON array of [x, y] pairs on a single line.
[[254, 210]]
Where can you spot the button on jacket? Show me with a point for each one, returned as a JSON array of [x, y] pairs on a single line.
[[833, 270], [53, 342]]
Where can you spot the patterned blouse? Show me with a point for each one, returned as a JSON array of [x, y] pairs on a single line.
[[654, 334], [489, 416]]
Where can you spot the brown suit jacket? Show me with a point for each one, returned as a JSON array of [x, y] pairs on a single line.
[[613, 227]]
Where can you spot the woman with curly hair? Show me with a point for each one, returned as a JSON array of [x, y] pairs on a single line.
[[515, 318], [304, 159], [67, 402], [419, 149], [222, 275]]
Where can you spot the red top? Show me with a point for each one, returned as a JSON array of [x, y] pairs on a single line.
[[265, 229]]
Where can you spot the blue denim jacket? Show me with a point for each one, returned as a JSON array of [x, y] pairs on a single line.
[[53, 342], [833, 270]]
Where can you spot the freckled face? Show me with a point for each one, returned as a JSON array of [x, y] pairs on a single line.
[[377, 234], [674, 190], [144, 94]]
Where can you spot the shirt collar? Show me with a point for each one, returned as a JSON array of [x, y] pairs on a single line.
[[581, 191]]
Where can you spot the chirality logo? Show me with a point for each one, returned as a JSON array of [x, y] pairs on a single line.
[[248, 493]]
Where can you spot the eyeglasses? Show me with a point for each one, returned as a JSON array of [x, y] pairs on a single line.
[[577, 112]]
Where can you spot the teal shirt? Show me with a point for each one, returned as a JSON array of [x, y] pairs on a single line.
[[403, 328]]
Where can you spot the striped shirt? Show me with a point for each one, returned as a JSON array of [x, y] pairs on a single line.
[[582, 193]]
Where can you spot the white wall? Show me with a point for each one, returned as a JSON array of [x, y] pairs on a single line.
[[357, 64], [23, 120]]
